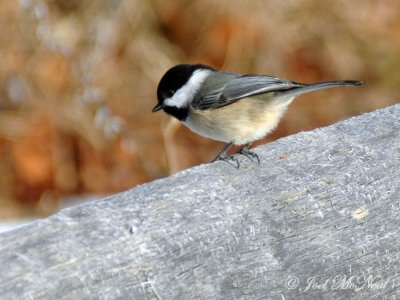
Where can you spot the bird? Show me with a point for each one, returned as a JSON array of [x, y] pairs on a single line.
[[230, 107]]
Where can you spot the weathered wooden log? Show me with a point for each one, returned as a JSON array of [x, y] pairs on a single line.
[[318, 218]]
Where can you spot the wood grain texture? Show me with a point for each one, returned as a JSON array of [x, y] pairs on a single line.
[[319, 218]]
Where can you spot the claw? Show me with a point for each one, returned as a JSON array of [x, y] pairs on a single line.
[[234, 160], [222, 155], [249, 154], [228, 159]]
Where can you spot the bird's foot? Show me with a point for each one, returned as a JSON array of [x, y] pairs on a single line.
[[223, 156], [249, 154], [230, 159]]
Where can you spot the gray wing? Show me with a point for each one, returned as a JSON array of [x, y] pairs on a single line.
[[241, 87]]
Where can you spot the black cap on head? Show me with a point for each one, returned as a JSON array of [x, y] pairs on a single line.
[[175, 78]]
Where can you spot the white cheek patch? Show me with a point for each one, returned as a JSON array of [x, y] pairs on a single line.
[[186, 93]]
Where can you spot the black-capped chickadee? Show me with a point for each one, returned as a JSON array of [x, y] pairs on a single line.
[[230, 107]]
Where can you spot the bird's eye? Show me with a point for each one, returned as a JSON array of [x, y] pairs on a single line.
[[170, 93]]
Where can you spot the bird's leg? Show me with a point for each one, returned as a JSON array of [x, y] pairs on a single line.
[[222, 155], [249, 154]]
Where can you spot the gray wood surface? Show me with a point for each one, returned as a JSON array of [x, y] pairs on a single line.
[[319, 218]]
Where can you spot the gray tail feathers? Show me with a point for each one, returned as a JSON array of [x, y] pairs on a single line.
[[318, 86]]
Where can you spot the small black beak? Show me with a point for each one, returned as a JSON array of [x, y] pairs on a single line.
[[157, 107]]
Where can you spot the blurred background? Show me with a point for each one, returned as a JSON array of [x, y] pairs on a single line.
[[78, 81]]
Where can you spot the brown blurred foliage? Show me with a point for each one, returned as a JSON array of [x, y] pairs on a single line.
[[78, 80]]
